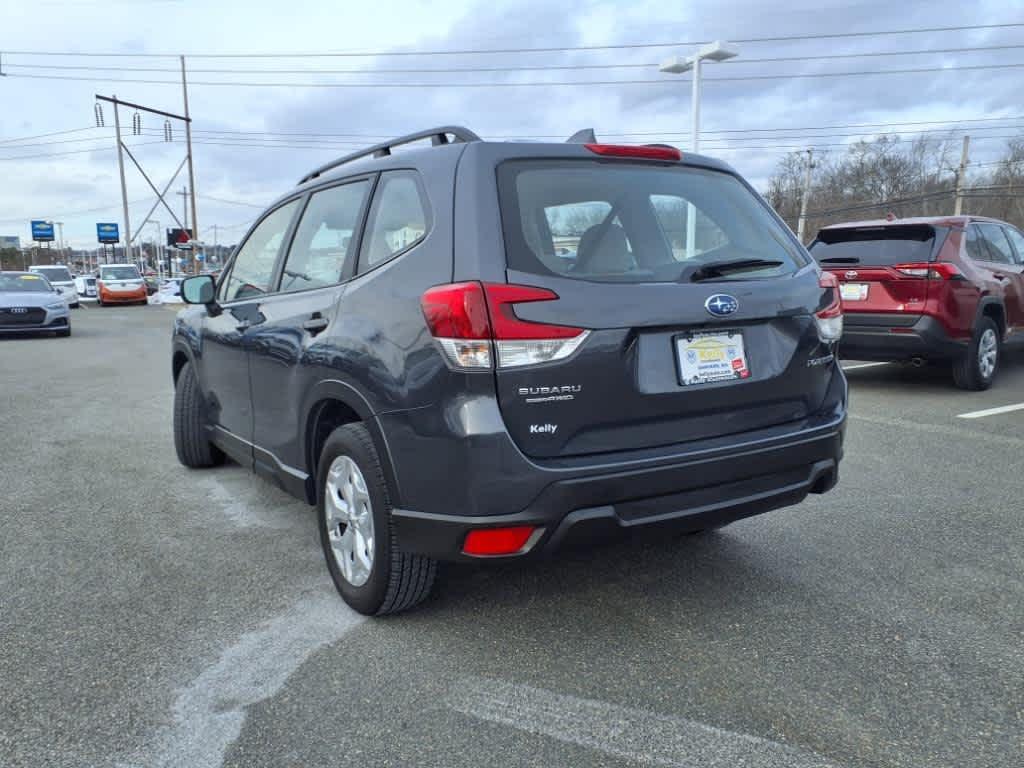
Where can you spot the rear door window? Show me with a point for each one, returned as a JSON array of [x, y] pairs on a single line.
[[998, 245], [398, 219], [977, 248], [1018, 242], [876, 246], [325, 238], [626, 222]]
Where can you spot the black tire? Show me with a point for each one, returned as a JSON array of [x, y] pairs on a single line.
[[398, 580], [967, 370], [190, 442], [76, 305], [65, 332]]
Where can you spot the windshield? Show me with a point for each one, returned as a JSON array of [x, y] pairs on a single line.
[[24, 283], [119, 273], [630, 223], [875, 246], [55, 274]]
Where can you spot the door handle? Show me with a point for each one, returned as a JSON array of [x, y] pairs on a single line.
[[243, 326], [315, 325]]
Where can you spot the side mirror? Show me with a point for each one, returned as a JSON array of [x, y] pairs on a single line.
[[199, 289]]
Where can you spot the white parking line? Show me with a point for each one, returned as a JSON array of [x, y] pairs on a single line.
[[992, 411], [861, 365], [639, 736]]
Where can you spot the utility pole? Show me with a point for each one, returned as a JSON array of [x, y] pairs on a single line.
[[961, 174], [191, 173], [215, 243], [184, 205], [60, 229], [124, 188], [801, 226]]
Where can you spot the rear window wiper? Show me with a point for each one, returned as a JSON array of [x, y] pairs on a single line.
[[840, 260], [706, 271]]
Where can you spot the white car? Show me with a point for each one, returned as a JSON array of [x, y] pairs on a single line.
[[59, 277], [86, 287]]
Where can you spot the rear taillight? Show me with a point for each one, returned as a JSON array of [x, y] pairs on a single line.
[[473, 321], [644, 153], [830, 319], [939, 270]]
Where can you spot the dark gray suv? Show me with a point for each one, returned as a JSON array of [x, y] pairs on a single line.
[[479, 350]]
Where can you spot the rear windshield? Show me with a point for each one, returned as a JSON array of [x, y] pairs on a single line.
[[622, 222], [55, 274], [119, 273], [875, 246]]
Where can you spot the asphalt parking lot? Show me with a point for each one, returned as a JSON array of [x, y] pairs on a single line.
[[155, 616]]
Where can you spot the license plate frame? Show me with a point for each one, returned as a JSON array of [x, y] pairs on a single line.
[[854, 291], [723, 356]]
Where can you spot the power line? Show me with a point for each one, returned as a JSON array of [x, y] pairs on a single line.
[[551, 49], [44, 135], [506, 68], [76, 151], [515, 84], [231, 202]]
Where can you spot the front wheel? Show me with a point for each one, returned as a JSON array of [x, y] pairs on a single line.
[[193, 448], [976, 368], [354, 514]]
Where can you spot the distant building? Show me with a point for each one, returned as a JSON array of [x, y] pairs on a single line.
[[10, 241]]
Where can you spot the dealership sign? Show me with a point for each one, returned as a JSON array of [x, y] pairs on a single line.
[[42, 231], [108, 233]]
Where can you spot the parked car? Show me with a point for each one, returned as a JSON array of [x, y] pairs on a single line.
[[85, 285], [30, 304], [120, 284], [59, 276], [948, 289], [453, 389]]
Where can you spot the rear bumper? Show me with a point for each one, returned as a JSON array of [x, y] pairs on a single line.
[[126, 297], [869, 337], [699, 491]]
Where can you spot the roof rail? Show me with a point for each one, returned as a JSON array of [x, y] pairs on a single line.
[[436, 135]]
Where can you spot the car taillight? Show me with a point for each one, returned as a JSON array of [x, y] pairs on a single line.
[[472, 321], [939, 270], [829, 320], [644, 153]]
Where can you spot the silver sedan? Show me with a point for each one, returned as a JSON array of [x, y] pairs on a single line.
[[29, 304]]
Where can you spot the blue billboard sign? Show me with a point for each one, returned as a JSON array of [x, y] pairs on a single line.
[[107, 233], [42, 231]]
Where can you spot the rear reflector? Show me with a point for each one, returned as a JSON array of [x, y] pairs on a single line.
[[469, 319], [645, 153], [938, 270], [830, 318], [497, 541]]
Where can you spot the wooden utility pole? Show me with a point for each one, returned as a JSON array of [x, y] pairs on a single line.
[[191, 172], [961, 175], [802, 223], [124, 188]]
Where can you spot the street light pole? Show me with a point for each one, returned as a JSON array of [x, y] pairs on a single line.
[[716, 51]]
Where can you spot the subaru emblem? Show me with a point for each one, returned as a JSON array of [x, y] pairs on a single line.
[[721, 304], [851, 275]]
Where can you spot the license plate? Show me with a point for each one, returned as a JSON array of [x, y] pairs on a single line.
[[853, 291], [707, 357]]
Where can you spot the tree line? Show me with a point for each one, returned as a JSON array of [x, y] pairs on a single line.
[[886, 175]]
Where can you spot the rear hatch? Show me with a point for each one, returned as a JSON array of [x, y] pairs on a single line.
[[883, 270], [664, 324]]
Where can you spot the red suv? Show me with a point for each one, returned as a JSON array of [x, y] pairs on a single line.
[[947, 289]]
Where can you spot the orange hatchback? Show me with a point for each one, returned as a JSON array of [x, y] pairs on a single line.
[[120, 284]]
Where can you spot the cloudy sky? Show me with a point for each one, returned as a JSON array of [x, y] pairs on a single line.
[[254, 140]]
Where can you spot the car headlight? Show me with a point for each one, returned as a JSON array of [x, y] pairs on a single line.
[[55, 305]]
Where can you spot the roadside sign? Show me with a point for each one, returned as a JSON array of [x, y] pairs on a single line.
[[107, 233], [179, 238], [42, 231]]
